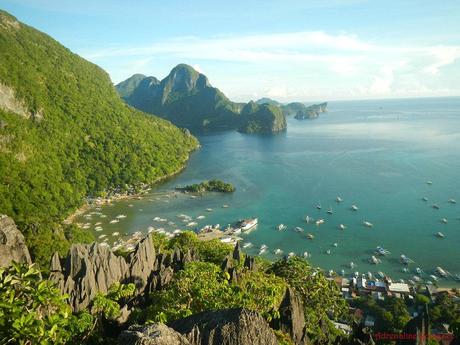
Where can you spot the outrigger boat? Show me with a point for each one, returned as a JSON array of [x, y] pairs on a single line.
[[338, 199], [444, 220], [374, 260], [354, 208], [342, 227], [439, 234], [406, 260], [368, 224], [298, 229], [452, 201], [308, 219], [319, 222], [329, 211], [310, 236], [281, 227], [382, 251]]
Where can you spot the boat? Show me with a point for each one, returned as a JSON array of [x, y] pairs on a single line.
[[263, 249], [381, 274], [310, 236], [444, 220], [329, 211], [319, 222], [114, 221], [429, 183], [192, 224], [382, 251], [278, 251], [435, 206], [281, 227], [225, 206], [439, 234], [342, 227], [374, 260], [433, 277], [356, 274], [369, 275], [354, 208], [201, 217], [452, 201], [368, 224], [418, 270], [98, 228], [456, 277], [298, 229], [328, 252], [306, 255], [247, 245], [209, 209], [405, 270], [352, 265], [406, 260], [116, 233], [318, 206], [441, 272], [338, 199], [291, 255], [121, 216], [248, 224], [342, 272], [416, 279], [102, 236], [308, 219], [335, 244], [425, 198]]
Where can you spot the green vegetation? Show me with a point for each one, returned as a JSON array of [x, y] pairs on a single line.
[[186, 98], [34, 312], [208, 186], [73, 138]]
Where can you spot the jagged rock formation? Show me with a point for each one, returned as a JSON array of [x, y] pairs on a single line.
[[12, 243], [88, 269], [156, 334], [292, 318], [311, 111], [226, 327]]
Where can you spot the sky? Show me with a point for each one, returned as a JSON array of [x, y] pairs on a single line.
[[288, 50]]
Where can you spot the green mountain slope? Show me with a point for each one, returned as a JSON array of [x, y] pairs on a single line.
[[265, 118], [186, 98], [65, 133]]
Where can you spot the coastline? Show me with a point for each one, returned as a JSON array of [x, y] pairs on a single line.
[[96, 202]]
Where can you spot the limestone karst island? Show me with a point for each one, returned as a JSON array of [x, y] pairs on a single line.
[[229, 173]]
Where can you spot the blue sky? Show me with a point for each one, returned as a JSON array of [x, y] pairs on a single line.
[[287, 50]]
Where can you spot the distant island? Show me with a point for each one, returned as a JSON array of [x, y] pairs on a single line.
[[298, 109], [208, 186]]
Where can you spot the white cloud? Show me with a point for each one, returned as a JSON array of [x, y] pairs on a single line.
[[309, 62]]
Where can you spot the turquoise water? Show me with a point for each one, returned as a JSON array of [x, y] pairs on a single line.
[[375, 154]]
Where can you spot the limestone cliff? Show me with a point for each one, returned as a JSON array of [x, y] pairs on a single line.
[[12, 243]]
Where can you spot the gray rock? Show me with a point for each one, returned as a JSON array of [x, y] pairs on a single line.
[[156, 334], [226, 327], [236, 252], [12, 243], [292, 317], [250, 263]]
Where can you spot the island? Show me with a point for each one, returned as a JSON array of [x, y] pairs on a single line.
[[208, 186]]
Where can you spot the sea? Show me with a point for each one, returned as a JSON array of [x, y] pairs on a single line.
[[384, 156]]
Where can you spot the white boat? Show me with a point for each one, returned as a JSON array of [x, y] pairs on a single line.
[[435, 206], [352, 265], [381, 274], [456, 277], [200, 217], [429, 183], [406, 260], [192, 224], [263, 249], [354, 208], [418, 270], [227, 240], [434, 278], [102, 236], [369, 275], [278, 251], [328, 252], [281, 227], [382, 251], [291, 255], [114, 221], [425, 198], [338, 199], [306, 255], [405, 270], [209, 209], [416, 279], [248, 224], [335, 244], [439, 234], [116, 233], [308, 219], [156, 219], [247, 245], [225, 206], [444, 220], [441, 272], [329, 211], [318, 206], [310, 236], [368, 224], [374, 260], [298, 229], [121, 216], [177, 231], [342, 227], [319, 222], [356, 274], [452, 201], [342, 273], [98, 228]]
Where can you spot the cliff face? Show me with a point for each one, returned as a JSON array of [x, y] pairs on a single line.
[[12, 243]]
